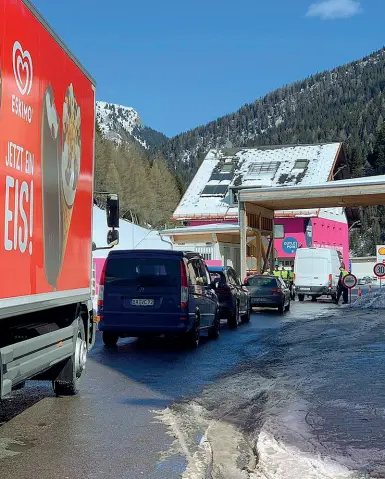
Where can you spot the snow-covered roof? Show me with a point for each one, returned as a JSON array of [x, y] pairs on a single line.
[[209, 192], [201, 229], [130, 236]]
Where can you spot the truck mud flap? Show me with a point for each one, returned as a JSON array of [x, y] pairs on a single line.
[[22, 360]]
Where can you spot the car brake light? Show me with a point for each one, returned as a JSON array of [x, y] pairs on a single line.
[[101, 286], [183, 285], [276, 291]]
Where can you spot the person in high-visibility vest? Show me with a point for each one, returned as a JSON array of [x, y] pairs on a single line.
[[291, 282], [284, 275], [277, 272], [341, 288]]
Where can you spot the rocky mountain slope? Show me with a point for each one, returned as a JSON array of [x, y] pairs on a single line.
[[123, 124]]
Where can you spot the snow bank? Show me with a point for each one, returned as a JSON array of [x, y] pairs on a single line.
[[130, 236], [278, 460], [370, 301]]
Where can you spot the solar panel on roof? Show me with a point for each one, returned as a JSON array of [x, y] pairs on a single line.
[[208, 190], [221, 189], [215, 190], [221, 176]]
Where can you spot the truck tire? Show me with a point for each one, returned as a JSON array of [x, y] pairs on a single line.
[[301, 297], [314, 299], [75, 365], [110, 339]]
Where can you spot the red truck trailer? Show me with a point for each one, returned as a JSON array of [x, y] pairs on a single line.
[[47, 128]]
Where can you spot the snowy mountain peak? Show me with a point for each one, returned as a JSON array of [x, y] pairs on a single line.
[[120, 123]]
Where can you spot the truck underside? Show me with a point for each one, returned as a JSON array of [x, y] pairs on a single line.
[[47, 345]]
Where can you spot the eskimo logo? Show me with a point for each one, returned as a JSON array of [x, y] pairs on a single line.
[[22, 69]]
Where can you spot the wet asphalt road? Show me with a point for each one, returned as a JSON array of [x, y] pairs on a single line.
[[110, 430]]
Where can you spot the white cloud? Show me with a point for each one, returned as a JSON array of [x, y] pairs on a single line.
[[331, 9]]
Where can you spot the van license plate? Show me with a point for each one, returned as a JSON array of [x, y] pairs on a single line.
[[142, 302], [305, 289]]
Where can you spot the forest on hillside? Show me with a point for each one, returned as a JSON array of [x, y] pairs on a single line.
[[346, 104], [148, 191]]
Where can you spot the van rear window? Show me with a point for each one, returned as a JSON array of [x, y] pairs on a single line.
[[142, 271]]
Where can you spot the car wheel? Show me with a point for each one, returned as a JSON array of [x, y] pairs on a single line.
[[281, 308], [246, 317], [110, 339], [216, 327], [287, 308], [301, 297], [192, 338], [233, 321]]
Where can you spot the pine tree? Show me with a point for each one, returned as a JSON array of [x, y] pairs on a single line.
[[377, 158]]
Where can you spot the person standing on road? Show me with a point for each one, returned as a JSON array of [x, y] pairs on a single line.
[[341, 288], [291, 282], [277, 272]]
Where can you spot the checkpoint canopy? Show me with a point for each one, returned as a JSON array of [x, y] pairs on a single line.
[[257, 205]]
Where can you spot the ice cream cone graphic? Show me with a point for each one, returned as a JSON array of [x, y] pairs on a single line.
[[50, 162], [70, 161]]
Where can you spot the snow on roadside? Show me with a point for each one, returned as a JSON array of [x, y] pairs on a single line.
[[277, 460], [369, 301]]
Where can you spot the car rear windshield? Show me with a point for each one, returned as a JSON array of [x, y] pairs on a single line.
[[142, 271], [262, 282], [218, 276]]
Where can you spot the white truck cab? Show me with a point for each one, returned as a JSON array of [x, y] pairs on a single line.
[[316, 272]]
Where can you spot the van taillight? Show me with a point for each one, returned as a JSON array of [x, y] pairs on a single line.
[[330, 280], [101, 286], [183, 285]]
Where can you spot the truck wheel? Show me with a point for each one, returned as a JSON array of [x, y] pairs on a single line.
[[301, 297], [75, 365], [314, 299], [110, 339]]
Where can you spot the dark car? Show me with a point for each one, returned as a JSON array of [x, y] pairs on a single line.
[[234, 298], [156, 292], [268, 292]]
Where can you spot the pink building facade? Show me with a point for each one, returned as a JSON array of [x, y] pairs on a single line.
[[311, 232]]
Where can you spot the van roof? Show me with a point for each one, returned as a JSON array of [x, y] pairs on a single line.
[[151, 253]]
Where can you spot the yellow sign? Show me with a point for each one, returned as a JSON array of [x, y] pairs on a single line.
[[381, 254]]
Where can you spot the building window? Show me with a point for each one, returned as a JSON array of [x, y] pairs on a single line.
[[265, 168], [279, 231], [301, 164]]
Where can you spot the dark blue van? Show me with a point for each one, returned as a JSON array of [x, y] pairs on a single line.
[[156, 292]]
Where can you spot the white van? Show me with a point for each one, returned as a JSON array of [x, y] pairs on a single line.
[[316, 272]]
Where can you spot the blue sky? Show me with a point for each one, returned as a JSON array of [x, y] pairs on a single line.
[[181, 64]]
